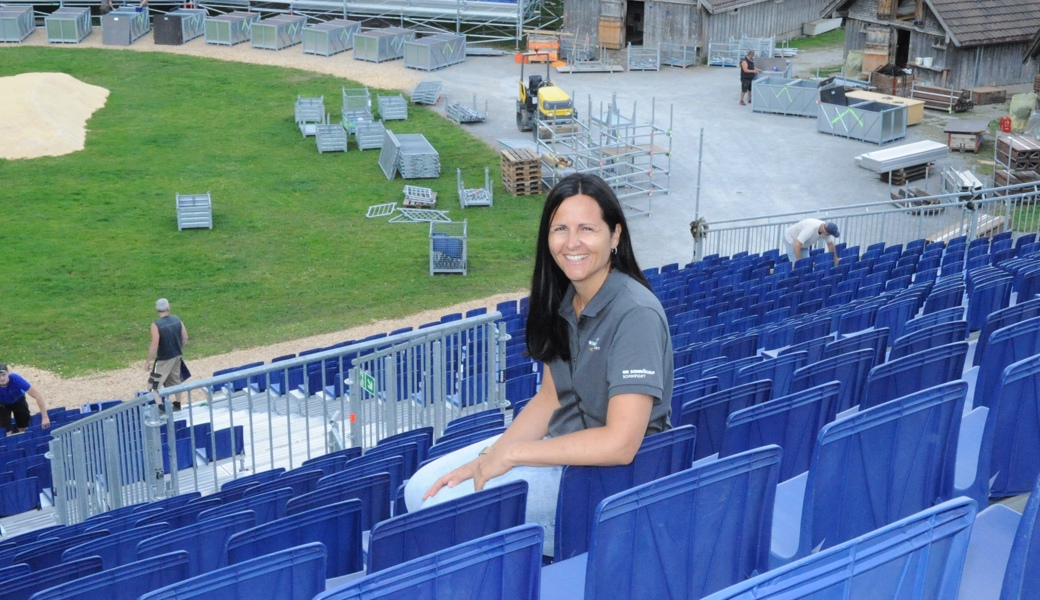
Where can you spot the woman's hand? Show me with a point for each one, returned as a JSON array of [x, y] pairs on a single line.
[[483, 468]]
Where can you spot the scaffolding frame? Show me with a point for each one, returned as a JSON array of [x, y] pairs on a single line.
[[482, 22], [632, 156]]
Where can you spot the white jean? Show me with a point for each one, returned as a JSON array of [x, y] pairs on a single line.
[[543, 486]]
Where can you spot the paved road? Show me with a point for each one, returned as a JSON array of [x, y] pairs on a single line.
[[753, 164]]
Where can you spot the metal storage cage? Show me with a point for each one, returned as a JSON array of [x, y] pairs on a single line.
[[230, 29], [448, 248], [16, 23], [330, 137], [67, 25], [676, 55], [868, 121], [643, 58], [308, 113], [435, 51], [278, 32], [785, 96], [417, 158], [124, 25], [180, 26], [392, 108], [194, 211], [330, 37], [468, 197], [381, 45]]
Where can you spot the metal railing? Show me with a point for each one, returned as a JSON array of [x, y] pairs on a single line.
[[942, 216], [276, 415]]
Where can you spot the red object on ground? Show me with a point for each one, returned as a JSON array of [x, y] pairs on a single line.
[[1005, 124]]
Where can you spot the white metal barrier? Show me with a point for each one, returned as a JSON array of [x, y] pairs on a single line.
[[276, 415]]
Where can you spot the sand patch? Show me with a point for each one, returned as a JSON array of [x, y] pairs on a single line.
[[45, 114]]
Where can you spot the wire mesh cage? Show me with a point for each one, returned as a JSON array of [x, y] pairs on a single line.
[[448, 248]]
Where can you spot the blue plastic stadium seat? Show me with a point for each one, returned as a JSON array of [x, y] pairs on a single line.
[[300, 481], [1023, 310], [942, 298], [708, 414], [115, 549], [409, 536], [873, 339], [125, 582], [913, 373], [19, 496], [493, 417], [254, 479], [294, 574], [23, 586], [850, 369], [336, 526], [871, 469], [1015, 462], [929, 337], [582, 488], [440, 449], [779, 371], [792, 422], [265, 507], [692, 389], [1006, 345], [47, 552], [717, 517], [1002, 559], [393, 465], [990, 295], [501, 566], [372, 490], [180, 516], [814, 348], [204, 541], [727, 371], [423, 438], [917, 557]]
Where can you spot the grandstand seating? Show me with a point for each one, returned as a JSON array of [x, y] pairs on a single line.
[[413, 535], [124, 582], [22, 587], [1015, 406], [850, 369], [204, 541], [265, 507], [372, 490], [582, 488], [708, 414], [871, 469], [913, 373], [115, 549]]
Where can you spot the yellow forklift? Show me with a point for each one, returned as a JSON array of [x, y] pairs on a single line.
[[540, 99]]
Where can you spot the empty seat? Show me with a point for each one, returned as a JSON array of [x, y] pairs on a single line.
[[117, 548], [717, 517], [434, 528], [1002, 318], [850, 369], [929, 337], [372, 490], [779, 371], [336, 526], [124, 582], [265, 507], [1015, 459], [204, 541], [294, 574], [871, 469], [874, 339], [917, 557], [23, 586], [914, 372], [583, 488], [501, 566], [1006, 345], [708, 414]]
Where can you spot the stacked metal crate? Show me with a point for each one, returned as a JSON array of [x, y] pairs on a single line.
[[435, 51], [68, 25], [357, 108], [308, 113], [461, 113], [231, 28], [392, 108], [379, 45], [330, 137], [277, 32], [16, 23], [330, 37], [417, 159], [427, 92], [369, 136]]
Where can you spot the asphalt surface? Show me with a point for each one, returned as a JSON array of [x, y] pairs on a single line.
[[752, 164]]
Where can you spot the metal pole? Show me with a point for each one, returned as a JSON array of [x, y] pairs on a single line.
[[697, 196]]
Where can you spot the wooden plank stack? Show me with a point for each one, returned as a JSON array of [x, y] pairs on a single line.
[[521, 171], [908, 174], [1017, 158], [942, 98], [1036, 84]]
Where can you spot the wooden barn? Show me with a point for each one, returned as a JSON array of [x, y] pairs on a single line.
[[616, 23], [959, 44]]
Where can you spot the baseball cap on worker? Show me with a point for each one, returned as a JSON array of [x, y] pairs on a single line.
[[3, 369], [831, 229], [162, 305]]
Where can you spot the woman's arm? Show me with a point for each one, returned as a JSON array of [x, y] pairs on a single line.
[[531, 424]]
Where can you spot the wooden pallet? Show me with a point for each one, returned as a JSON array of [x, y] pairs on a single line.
[[942, 98], [908, 199], [903, 176], [521, 171], [1036, 84]]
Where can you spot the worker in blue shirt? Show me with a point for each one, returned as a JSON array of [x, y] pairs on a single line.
[[13, 388]]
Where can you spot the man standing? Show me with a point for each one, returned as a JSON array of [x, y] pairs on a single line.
[[747, 75], [168, 338], [13, 388], [806, 233]]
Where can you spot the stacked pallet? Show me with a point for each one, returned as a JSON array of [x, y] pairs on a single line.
[[1017, 159], [1036, 84], [907, 174], [521, 171], [942, 98]]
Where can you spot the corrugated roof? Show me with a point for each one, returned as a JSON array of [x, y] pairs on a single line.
[[980, 22], [717, 6]]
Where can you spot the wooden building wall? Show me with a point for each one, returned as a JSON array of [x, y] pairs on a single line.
[[674, 22], [581, 18], [782, 19]]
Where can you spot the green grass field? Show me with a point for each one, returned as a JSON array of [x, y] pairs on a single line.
[[90, 239]]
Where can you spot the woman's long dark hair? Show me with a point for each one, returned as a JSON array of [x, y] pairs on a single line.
[[547, 337]]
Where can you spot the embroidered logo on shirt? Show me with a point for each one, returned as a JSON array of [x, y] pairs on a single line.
[[636, 373], [594, 345]]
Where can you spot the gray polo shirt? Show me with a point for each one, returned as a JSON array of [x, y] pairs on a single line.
[[620, 345]]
